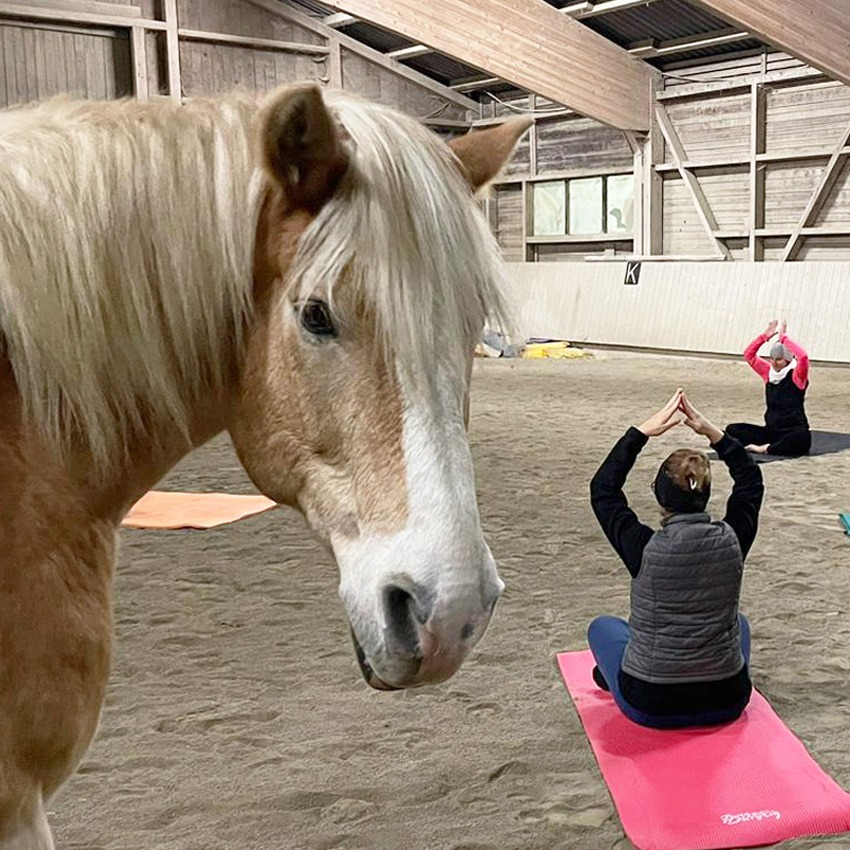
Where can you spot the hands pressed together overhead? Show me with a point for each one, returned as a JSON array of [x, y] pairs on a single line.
[[679, 410], [772, 325]]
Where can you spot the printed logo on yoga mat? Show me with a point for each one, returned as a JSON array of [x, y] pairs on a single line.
[[732, 820]]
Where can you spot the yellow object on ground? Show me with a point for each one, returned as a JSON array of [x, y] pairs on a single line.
[[553, 351]]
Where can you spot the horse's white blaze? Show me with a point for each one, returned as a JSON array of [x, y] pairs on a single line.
[[441, 549]]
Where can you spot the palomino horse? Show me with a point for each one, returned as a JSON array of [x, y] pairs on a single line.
[[310, 276]]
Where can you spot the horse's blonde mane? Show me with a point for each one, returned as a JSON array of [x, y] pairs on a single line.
[[125, 260], [126, 252]]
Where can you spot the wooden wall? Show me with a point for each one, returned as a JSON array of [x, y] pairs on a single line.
[[40, 63], [754, 134], [186, 48]]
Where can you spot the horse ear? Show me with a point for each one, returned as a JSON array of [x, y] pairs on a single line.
[[483, 153], [302, 147]]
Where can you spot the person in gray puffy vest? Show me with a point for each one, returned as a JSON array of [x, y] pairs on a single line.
[[682, 659]]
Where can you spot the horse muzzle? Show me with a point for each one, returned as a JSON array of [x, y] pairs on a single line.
[[416, 646]]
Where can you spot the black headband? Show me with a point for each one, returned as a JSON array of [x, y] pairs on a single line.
[[672, 497]]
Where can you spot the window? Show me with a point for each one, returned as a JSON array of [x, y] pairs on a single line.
[[586, 205], [582, 206], [619, 197], [550, 208]]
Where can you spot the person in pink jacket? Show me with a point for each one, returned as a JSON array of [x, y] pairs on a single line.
[[786, 379]]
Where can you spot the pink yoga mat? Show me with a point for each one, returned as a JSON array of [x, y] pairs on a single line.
[[749, 783]]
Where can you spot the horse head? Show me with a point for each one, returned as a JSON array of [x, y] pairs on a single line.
[[374, 273]]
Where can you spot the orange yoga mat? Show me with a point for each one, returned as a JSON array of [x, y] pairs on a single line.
[[161, 509]]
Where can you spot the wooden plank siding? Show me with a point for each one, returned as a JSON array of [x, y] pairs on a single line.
[[379, 83], [219, 68], [507, 201], [580, 143], [712, 129], [237, 17], [39, 63], [799, 118]]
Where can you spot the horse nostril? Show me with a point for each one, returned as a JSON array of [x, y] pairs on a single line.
[[491, 597], [403, 610]]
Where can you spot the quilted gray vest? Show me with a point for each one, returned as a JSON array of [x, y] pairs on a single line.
[[684, 604]]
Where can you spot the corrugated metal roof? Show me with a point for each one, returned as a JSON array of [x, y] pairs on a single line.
[[309, 7], [379, 39], [442, 68], [662, 20]]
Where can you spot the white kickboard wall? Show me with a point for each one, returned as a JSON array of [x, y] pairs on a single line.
[[707, 307]]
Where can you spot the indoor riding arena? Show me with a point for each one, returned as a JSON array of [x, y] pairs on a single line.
[[675, 216]]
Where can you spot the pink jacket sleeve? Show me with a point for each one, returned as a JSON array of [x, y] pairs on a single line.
[[751, 355], [801, 370]]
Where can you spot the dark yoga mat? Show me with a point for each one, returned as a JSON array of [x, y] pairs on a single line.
[[823, 443]]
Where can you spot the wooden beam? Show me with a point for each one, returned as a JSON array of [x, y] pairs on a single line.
[[86, 6], [250, 41], [565, 174], [683, 45], [791, 76], [816, 31], [334, 21], [700, 202], [574, 10], [474, 85], [290, 14], [409, 52], [529, 44], [602, 7], [38, 13], [816, 201]]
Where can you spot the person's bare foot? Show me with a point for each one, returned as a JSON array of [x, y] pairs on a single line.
[[759, 450]]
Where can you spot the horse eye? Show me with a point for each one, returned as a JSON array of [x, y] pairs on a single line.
[[316, 319]]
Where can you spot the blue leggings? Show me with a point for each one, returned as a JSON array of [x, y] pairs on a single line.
[[608, 637]]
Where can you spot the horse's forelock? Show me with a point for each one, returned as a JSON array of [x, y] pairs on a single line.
[[405, 231]]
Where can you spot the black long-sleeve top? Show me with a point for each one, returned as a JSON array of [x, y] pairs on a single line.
[[629, 537], [624, 530]]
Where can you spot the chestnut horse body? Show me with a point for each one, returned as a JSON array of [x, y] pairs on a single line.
[[309, 275]]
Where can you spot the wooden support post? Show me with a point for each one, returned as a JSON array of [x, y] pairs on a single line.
[[528, 249], [813, 207], [334, 63], [172, 50], [652, 185], [700, 202], [638, 146], [140, 63], [532, 139], [757, 171]]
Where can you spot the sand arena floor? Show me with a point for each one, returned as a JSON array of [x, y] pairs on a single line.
[[236, 717]]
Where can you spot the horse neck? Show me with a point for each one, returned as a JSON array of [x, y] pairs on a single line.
[[68, 491]]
